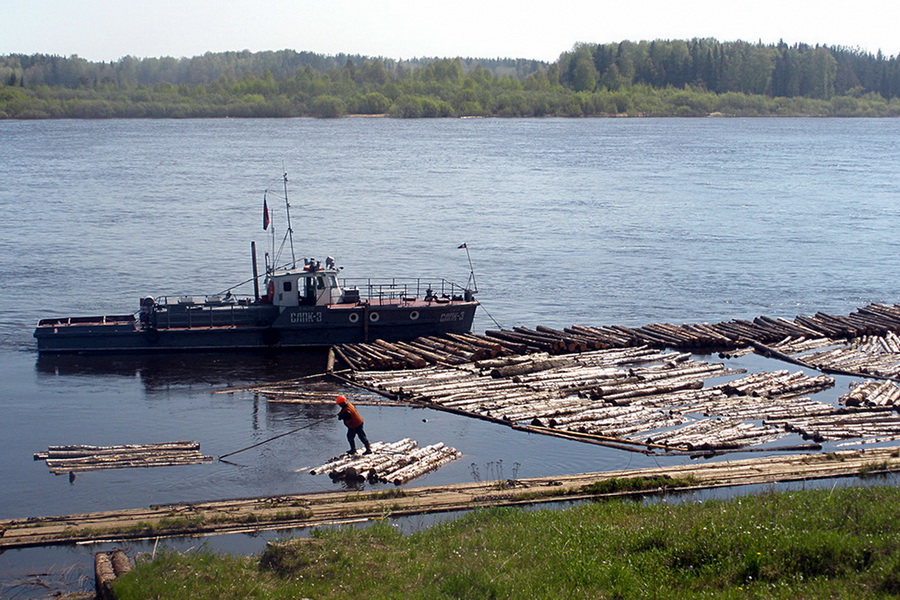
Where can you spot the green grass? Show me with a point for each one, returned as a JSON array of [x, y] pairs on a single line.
[[622, 485], [842, 543]]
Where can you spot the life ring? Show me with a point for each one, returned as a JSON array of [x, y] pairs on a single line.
[[353, 317], [373, 317], [414, 315]]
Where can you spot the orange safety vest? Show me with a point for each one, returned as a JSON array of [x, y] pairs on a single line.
[[350, 416]]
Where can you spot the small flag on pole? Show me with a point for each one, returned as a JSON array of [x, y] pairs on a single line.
[[463, 245], [265, 215]]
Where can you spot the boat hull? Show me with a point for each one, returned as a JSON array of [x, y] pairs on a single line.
[[257, 327]]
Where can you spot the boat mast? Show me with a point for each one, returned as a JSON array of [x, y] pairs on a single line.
[[290, 230]]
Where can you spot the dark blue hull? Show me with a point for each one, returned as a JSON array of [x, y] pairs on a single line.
[[203, 327]]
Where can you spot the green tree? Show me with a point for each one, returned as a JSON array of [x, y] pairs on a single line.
[[327, 107]]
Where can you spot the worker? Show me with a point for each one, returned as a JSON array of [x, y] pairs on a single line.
[[350, 416]]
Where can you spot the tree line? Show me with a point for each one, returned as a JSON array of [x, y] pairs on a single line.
[[648, 78]]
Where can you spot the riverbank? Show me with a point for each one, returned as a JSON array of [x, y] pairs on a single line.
[[332, 508], [836, 543]]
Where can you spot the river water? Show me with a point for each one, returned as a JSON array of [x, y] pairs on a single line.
[[595, 222]]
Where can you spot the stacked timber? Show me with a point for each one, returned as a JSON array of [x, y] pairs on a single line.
[[395, 462], [73, 458]]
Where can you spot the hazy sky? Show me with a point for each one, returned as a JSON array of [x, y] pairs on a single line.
[[109, 29]]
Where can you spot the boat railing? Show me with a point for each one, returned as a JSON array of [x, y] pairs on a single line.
[[200, 311], [211, 300], [391, 290]]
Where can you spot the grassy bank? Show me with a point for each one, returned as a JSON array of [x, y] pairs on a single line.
[[842, 543]]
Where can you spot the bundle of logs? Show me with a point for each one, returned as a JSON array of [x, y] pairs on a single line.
[[394, 462], [108, 566], [872, 393], [630, 396], [453, 349], [874, 355], [70, 459]]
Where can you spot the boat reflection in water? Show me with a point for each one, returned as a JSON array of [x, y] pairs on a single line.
[[188, 369]]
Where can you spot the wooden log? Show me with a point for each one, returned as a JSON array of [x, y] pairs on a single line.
[[437, 456], [66, 467], [607, 336], [493, 348], [104, 576], [407, 358], [825, 329], [525, 368], [712, 336], [351, 364], [121, 563], [77, 450], [439, 346]]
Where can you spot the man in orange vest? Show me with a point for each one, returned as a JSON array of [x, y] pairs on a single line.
[[350, 416]]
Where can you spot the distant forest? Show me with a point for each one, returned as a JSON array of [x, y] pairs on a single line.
[[698, 77]]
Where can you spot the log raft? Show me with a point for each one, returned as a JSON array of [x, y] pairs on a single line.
[[764, 334], [76, 458], [395, 462], [637, 396]]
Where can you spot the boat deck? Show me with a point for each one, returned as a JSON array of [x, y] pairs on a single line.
[[88, 321]]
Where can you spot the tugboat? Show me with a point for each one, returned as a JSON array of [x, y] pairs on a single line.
[[303, 306]]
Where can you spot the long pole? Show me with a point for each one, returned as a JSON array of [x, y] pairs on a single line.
[[275, 437]]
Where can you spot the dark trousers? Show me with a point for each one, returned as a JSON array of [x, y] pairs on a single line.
[[357, 431]]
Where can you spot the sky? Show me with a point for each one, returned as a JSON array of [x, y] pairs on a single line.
[[106, 30]]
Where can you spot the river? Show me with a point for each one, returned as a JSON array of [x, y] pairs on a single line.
[[594, 222]]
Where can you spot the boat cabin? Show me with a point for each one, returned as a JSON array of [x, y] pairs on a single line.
[[312, 285]]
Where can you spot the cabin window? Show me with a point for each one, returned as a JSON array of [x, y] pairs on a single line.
[[287, 286], [332, 282], [320, 281]]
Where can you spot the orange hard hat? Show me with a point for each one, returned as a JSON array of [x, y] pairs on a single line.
[[341, 400]]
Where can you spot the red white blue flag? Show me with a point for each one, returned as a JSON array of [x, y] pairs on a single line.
[[265, 215]]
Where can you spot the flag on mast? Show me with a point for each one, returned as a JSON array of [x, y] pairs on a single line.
[[463, 245], [265, 214]]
